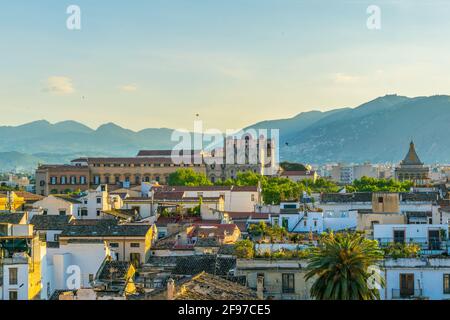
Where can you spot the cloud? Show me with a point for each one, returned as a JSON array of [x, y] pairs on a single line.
[[128, 88], [59, 85], [345, 78]]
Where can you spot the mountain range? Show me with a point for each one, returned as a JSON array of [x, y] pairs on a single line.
[[376, 131]]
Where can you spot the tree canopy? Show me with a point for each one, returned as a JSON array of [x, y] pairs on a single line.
[[341, 266], [188, 177]]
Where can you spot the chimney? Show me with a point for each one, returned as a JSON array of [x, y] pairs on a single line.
[[170, 289], [260, 287]]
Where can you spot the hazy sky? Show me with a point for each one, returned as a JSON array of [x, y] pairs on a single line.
[[157, 63]]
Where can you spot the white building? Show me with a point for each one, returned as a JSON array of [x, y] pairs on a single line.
[[417, 207], [90, 205], [431, 238], [56, 205], [295, 219], [78, 257], [424, 278], [236, 199], [346, 174]]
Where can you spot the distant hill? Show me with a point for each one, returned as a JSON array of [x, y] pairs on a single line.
[[377, 131]]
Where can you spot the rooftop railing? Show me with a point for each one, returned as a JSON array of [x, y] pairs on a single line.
[[406, 293], [423, 243]]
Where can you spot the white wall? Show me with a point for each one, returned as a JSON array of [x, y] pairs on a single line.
[[412, 231], [235, 201], [316, 222], [89, 202], [428, 276], [22, 281], [87, 256], [53, 205]]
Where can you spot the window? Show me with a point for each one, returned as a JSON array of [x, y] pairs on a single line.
[[406, 285], [399, 236], [447, 283], [380, 200], [42, 236], [13, 276], [13, 295], [84, 212], [288, 285], [42, 183], [253, 197], [73, 180], [134, 245], [56, 237], [99, 200], [63, 180], [315, 223], [62, 212], [261, 276], [114, 245], [98, 212], [82, 180], [285, 223], [434, 240], [304, 223], [91, 277], [44, 212], [135, 259], [136, 209], [53, 180], [96, 179]]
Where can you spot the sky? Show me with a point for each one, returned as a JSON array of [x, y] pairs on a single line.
[[159, 63]]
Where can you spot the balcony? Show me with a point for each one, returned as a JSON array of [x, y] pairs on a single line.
[[15, 260], [407, 293], [427, 245]]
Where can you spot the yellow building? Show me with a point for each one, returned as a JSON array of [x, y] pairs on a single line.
[[10, 201], [21, 259], [385, 210]]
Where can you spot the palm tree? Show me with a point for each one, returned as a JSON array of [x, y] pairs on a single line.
[[340, 267]]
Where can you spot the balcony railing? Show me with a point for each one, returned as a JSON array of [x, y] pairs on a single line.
[[15, 260], [406, 293], [425, 244]]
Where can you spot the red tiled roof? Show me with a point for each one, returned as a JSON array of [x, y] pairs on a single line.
[[172, 195], [213, 188], [247, 215], [297, 173], [245, 189], [198, 188], [164, 221], [63, 167], [242, 225], [149, 153], [218, 230]]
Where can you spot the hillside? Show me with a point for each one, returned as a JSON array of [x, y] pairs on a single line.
[[376, 131]]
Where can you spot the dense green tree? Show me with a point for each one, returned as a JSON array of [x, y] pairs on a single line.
[[244, 249], [292, 166], [366, 184], [188, 177]]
